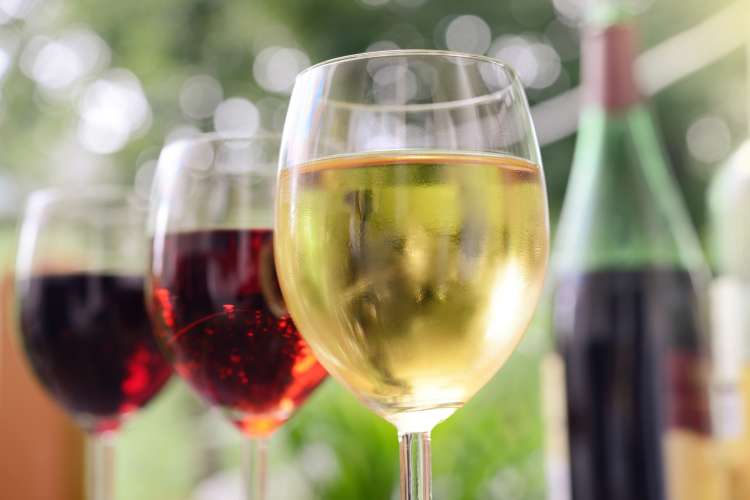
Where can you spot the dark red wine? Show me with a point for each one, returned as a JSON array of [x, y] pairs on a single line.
[[89, 341], [224, 324], [634, 368]]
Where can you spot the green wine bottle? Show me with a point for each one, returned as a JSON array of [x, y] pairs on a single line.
[[629, 282]]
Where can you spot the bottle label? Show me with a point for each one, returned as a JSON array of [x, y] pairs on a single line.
[[730, 327], [557, 455], [728, 411], [688, 387], [730, 336], [692, 459]]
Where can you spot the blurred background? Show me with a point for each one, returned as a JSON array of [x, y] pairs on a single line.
[[91, 90]]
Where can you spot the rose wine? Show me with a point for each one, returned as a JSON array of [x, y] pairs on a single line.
[[417, 272], [89, 341], [223, 322]]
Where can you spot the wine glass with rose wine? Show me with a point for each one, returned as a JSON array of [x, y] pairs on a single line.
[[216, 301]]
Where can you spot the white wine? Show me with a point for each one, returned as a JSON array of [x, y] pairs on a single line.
[[412, 275]]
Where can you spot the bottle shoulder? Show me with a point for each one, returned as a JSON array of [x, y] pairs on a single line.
[[623, 207]]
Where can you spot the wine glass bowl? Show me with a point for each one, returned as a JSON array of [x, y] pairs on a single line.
[[83, 322], [411, 229], [415, 304], [220, 314], [226, 330]]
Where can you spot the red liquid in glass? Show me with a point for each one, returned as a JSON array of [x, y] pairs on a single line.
[[224, 324], [88, 339]]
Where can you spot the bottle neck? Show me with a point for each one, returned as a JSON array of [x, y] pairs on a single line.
[[608, 67]]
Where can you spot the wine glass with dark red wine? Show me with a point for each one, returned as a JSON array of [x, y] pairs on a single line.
[[83, 323], [216, 301]]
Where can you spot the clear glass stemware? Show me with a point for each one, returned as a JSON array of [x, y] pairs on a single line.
[[411, 231]]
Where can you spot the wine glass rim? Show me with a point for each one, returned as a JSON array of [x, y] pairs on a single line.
[[513, 81], [380, 54]]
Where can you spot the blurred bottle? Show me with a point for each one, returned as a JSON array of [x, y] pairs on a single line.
[[628, 304], [729, 208]]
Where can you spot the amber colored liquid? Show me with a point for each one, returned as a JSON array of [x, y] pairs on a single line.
[[413, 275]]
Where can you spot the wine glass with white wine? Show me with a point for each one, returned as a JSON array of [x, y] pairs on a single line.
[[411, 231]]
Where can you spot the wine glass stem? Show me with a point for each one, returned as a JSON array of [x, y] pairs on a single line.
[[100, 475], [416, 467], [256, 468]]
